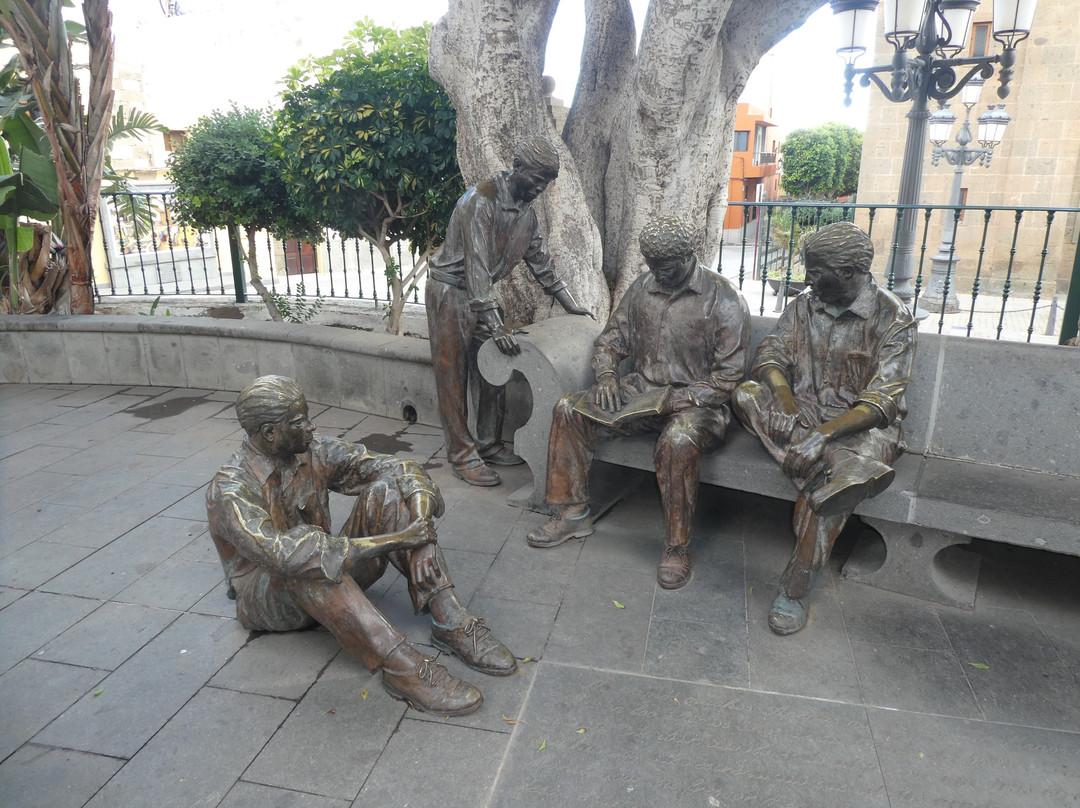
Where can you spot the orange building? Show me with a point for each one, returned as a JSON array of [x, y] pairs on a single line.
[[753, 163]]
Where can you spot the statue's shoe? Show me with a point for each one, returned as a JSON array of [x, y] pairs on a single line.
[[787, 615], [502, 457], [561, 529], [475, 646], [477, 474], [852, 481], [674, 568], [431, 688]]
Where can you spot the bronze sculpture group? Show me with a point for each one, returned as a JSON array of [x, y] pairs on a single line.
[[825, 397]]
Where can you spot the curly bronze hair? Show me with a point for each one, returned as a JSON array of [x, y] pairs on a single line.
[[266, 400], [536, 152], [666, 237], [842, 244]]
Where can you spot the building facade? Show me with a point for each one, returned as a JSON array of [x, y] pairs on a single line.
[[1037, 163]]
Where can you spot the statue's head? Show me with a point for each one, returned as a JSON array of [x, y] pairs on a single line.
[[274, 413], [667, 243], [536, 165], [837, 259]]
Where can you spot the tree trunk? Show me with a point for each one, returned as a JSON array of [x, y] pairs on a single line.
[[650, 133], [489, 57], [256, 279]]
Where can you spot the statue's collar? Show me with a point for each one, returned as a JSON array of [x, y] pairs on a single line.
[[504, 194], [262, 466], [862, 306]]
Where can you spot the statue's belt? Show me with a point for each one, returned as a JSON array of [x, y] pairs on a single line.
[[445, 277]]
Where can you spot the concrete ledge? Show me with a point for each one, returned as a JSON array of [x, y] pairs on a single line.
[[371, 371]]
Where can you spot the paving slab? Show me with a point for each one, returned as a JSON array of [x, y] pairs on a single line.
[[649, 742], [332, 739], [931, 760], [59, 778], [109, 636], [253, 795], [172, 772], [454, 761], [34, 619], [138, 698], [33, 693], [282, 664]]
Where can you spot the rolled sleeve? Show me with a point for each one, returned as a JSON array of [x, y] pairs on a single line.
[[895, 358]]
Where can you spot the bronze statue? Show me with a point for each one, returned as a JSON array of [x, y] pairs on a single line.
[[269, 517], [827, 398], [493, 228], [686, 330]]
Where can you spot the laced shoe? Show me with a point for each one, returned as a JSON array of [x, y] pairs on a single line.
[[561, 529], [674, 568], [430, 688], [475, 646], [477, 474]]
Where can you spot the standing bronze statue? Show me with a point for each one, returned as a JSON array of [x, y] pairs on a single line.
[[827, 398], [686, 331], [493, 228], [269, 517]]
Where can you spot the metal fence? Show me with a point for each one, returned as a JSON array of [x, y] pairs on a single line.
[[1003, 272], [148, 252], [1007, 273]]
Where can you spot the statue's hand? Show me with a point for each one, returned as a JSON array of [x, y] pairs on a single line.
[[424, 564], [419, 533], [801, 457], [606, 394], [505, 340], [570, 306]]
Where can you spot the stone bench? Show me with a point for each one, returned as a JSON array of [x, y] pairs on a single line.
[[993, 435]]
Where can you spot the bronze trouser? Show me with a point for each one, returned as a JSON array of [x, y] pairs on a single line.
[[815, 535], [685, 437], [455, 334], [342, 607]]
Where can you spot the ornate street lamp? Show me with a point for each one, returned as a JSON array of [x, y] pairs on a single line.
[[940, 289], [935, 31]]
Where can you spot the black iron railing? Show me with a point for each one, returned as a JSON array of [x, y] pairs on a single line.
[[1007, 273]]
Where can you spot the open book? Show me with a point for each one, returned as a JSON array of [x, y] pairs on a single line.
[[651, 403]]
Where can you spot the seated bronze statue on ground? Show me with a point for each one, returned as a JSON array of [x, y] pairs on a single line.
[[685, 330], [826, 398], [269, 517]]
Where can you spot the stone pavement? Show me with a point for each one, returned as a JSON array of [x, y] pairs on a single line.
[[126, 681]]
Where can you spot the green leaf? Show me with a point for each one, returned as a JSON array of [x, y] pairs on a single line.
[[618, 605], [979, 665], [542, 746], [22, 133]]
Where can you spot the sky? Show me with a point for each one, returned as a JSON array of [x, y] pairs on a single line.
[[218, 51]]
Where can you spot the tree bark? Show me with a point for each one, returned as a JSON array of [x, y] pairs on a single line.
[[256, 278], [489, 57], [649, 133]]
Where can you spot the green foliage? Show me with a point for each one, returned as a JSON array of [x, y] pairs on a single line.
[[297, 309], [153, 309], [368, 139], [227, 174], [822, 162]]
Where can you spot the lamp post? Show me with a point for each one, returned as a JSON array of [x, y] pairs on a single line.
[[935, 31], [940, 294]]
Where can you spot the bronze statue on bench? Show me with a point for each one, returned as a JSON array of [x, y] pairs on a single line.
[[492, 229], [827, 398], [686, 330], [269, 517]]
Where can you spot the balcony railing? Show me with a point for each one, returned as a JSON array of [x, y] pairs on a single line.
[[764, 158], [1009, 273], [1012, 271]]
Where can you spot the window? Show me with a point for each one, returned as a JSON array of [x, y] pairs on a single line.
[[174, 139], [963, 201], [980, 38], [742, 141]]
